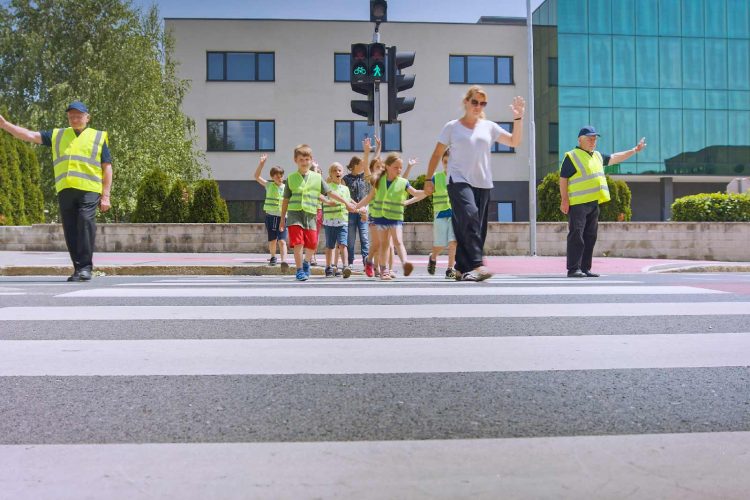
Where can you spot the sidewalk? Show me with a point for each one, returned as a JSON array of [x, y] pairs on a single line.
[[114, 263]]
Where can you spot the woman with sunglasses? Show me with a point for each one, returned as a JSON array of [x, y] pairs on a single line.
[[470, 139]]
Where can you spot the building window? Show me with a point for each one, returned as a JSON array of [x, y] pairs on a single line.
[[552, 71], [488, 70], [554, 139], [351, 133], [505, 211], [342, 63], [502, 148], [240, 66], [241, 135]]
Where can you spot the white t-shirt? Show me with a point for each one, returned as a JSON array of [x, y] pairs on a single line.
[[469, 159]]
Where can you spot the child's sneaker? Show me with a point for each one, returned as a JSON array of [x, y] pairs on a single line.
[[329, 272], [408, 268], [272, 261], [431, 265], [337, 272], [306, 268], [347, 272], [450, 274], [284, 266], [369, 270], [301, 276]]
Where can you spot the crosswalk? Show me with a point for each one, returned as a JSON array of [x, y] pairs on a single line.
[[260, 387]]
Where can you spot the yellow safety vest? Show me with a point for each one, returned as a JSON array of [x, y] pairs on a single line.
[[588, 183], [77, 160], [440, 201], [391, 198], [274, 194], [339, 210], [305, 192]]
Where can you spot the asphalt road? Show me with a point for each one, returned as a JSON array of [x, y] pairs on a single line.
[[522, 387]]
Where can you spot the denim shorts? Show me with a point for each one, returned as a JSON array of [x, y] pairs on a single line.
[[336, 235], [442, 232], [272, 227]]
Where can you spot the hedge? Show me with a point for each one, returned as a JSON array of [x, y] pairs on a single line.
[[177, 205], [207, 205], [21, 200], [548, 200], [149, 200], [712, 207], [422, 210]]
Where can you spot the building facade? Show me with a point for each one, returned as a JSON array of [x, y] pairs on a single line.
[[264, 86], [674, 71]]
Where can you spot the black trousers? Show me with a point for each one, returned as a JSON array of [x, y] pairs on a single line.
[[78, 213], [470, 210], [583, 225]]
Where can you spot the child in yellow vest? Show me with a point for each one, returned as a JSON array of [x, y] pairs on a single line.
[[336, 224], [272, 207], [389, 194], [303, 192], [442, 224]]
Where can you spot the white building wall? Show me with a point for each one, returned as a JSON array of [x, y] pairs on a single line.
[[305, 101]]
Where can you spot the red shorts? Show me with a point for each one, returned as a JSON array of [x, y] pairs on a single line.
[[306, 237]]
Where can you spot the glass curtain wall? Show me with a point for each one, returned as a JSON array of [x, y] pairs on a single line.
[[674, 71]]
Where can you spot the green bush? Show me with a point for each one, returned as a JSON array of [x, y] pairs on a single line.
[[30, 178], [21, 201], [548, 200], [422, 210], [208, 205], [712, 207], [177, 205], [152, 191]]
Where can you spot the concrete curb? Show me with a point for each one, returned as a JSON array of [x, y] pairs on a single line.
[[701, 268]]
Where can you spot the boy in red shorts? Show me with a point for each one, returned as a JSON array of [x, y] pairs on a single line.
[[304, 189]]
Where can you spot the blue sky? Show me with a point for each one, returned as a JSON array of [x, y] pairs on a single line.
[[462, 11]]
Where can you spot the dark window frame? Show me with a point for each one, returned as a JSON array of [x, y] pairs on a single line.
[[549, 131], [496, 145], [224, 62], [466, 80], [550, 62], [352, 139], [225, 121]]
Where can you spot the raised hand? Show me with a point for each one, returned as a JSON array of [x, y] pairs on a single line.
[[366, 145], [518, 107], [641, 144], [263, 158]]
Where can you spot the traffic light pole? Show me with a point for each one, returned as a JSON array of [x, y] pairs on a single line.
[[376, 91]]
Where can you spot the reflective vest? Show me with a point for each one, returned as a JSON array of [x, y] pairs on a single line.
[[588, 183], [440, 201], [339, 210], [77, 161], [391, 198], [274, 194], [305, 192]]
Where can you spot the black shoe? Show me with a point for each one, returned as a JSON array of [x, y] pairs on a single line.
[[272, 261], [85, 274], [590, 274], [431, 265], [576, 274], [76, 276]]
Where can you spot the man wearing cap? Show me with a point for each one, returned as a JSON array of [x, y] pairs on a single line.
[[83, 179], [583, 188]]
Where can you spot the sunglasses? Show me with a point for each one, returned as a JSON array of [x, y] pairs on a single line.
[[474, 102]]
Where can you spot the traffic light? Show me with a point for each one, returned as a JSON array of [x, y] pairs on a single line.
[[377, 62], [360, 64], [398, 82], [361, 81], [378, 11]]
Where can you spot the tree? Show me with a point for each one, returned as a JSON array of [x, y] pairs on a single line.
[[177, 205], [117, 60], [152, 192], [207, 205]]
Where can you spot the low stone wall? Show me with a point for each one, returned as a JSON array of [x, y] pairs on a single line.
[[721, 241]]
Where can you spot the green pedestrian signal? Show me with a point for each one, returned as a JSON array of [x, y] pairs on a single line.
[[377, 61]]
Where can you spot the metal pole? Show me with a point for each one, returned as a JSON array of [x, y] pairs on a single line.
[[532, 135], [376, 91]]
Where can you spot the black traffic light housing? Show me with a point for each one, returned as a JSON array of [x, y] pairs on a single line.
[[397, 82], [361, 81], [378, 11], [377, 62]]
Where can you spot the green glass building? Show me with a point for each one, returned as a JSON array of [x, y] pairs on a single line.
[[674, 71]]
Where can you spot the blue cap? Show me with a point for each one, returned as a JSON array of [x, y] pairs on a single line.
[[588, 130], [78, 106]]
